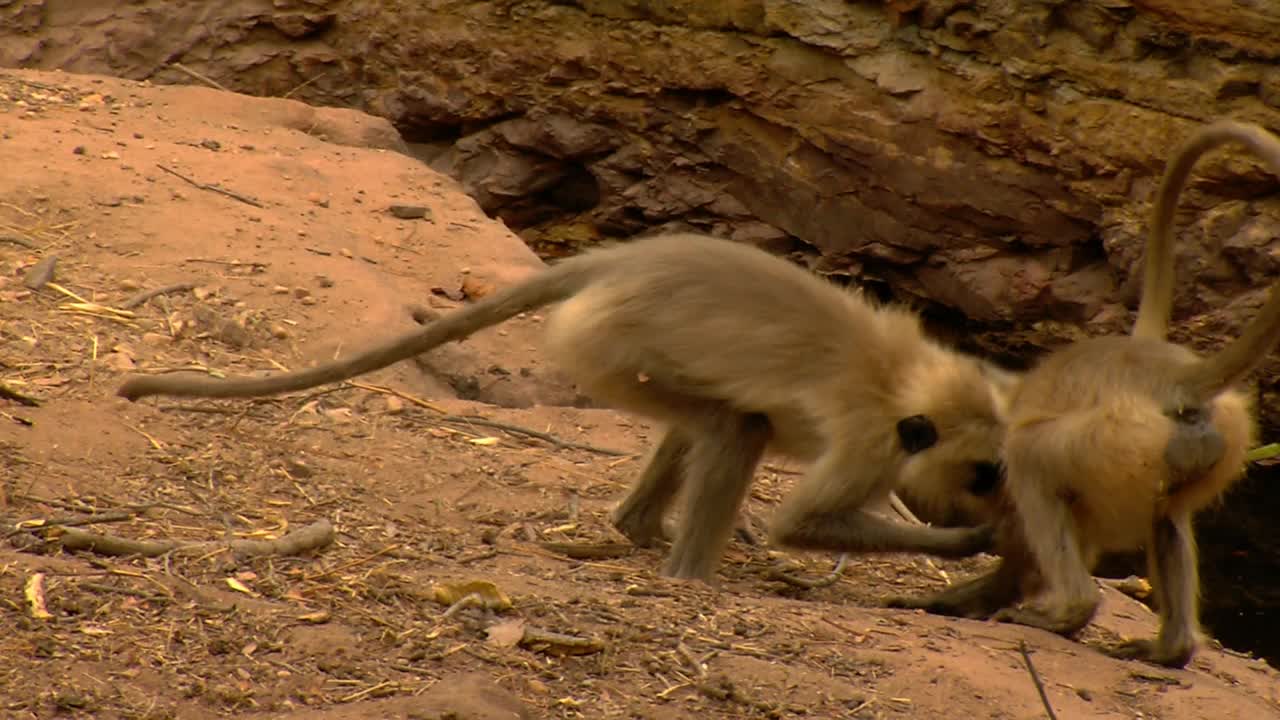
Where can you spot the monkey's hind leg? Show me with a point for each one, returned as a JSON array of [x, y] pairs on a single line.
[[718, 468], [1171, 561], [639, 516]]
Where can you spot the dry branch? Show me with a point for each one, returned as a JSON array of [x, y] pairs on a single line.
[[9, 393], [312, 537], [554, 643], [589, 551]]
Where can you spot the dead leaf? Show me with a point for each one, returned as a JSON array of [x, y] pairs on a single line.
[[507, 633], [490, 596], [238, 586], [484, 441], [118, 362], [51, 381], [339, 415], [34, 592]]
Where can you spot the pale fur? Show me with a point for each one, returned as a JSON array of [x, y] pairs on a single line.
[[1114, 443], [735, 351]]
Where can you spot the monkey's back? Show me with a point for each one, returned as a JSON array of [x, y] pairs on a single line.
[[716, 320], [1094, 420], [1091, 371]]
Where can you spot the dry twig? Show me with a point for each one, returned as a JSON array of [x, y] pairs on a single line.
[[818, 582], [516, 429], [1035, 678], [145, 295], [200, 76], [211, 188]]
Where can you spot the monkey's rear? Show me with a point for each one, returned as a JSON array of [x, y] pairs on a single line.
[[1114, 443], [667, 330]]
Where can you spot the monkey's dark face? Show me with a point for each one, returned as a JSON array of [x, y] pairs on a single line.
[[952, 474], [987, 477], [917, 433]]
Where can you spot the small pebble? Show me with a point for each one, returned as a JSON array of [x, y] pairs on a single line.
[[408, 212]]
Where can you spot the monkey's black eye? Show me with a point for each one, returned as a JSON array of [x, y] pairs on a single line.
[[917, 433], [986, 478]]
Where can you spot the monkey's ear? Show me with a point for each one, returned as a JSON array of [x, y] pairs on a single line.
[[917, 433]]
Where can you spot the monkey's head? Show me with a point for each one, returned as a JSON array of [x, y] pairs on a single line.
[[950, 431]]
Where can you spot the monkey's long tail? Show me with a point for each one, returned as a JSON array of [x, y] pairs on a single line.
[[1158, 273], [1231, 364], [554, 284]]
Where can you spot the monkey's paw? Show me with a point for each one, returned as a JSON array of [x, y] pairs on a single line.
[[929, 603], [967, 542], [906, 602], [682, 566], [1063, 621], [1151, 651], [939, 604], [641, 529], [984, 538]]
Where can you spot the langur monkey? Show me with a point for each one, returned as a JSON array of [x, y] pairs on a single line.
[[736, 351], [1114, 443]]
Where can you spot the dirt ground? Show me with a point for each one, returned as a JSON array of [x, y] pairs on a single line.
[[277, 217]]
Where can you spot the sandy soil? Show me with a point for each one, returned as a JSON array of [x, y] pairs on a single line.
[[277, 217]]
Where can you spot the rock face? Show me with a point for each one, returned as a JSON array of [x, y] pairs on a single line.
[[991, 160]]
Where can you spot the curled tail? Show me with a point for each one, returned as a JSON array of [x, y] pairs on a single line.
[[1157, 279], [1230, 365], [554, 284]]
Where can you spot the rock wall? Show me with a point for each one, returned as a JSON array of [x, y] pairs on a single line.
[[990, 159], [993, 158]]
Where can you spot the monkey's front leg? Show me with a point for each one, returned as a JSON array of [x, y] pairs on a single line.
[[856, 530], [829, 509], [976, 598], [1069, 597], [1056, 617]]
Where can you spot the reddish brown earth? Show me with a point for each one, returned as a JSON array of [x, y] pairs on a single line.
[[420, 499]]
